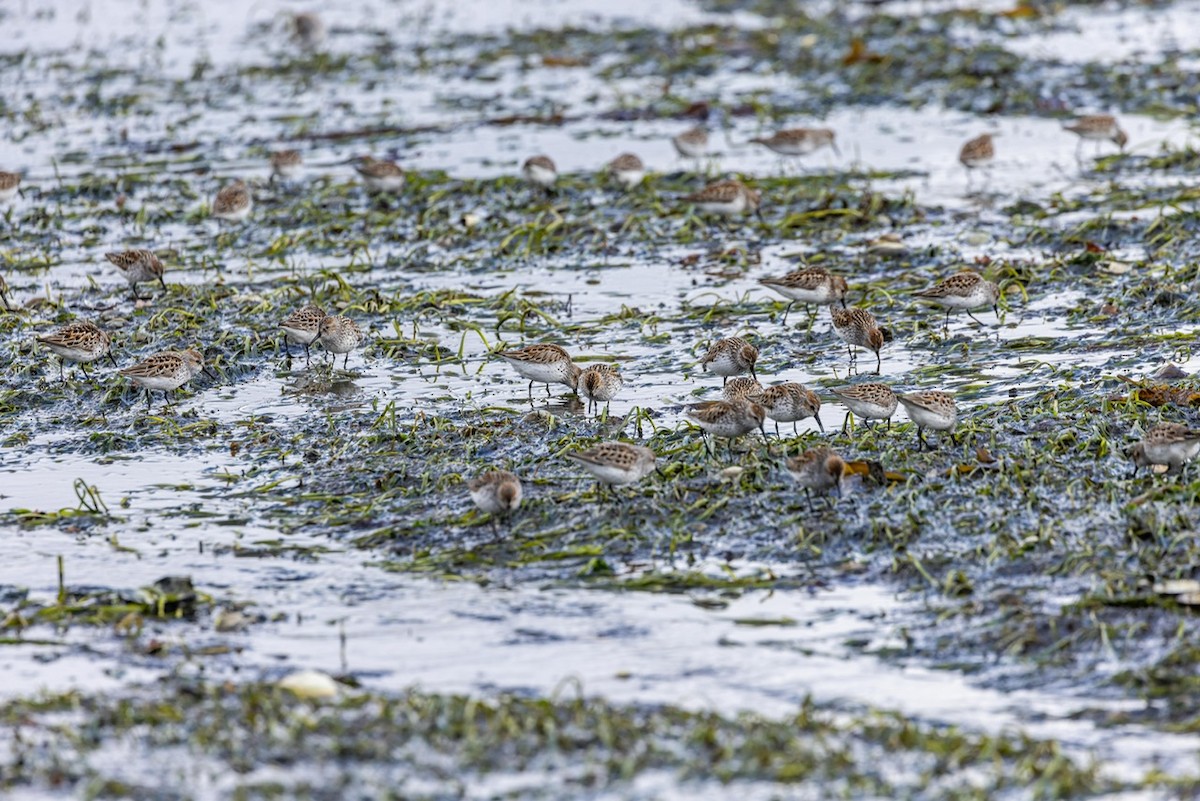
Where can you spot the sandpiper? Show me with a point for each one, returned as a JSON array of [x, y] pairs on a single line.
[[303, 327], [729, 357], [82, 342], [743, 386], [978, 152], [166, 371], [798, 141], [1097, 128], [137, 266], [790, 403], [286, 164], [692, 143], [307, 29], [380, 176], [812, 285], [930, 409], [628, 169], [726, 199], [599, 383], [616, 463], [10, 185], [729, 419], [966, 290], [1172, 444], [818, 470], [857, 328], [870, 401], [497, 493], [339, 334], [233, 202], [543, 364], [540, 171]]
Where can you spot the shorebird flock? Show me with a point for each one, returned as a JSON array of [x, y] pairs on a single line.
[[745, 405]]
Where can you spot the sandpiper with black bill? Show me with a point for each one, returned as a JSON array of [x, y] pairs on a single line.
[[930, 409], [543, 364], [81, 342], [137, 266], [818, 470], [871, 401], [966, 290], [811, 285]]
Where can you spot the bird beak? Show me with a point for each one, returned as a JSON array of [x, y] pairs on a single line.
[[111, 359], [758, 213], [660, 472], [209, 373], [163, 282]]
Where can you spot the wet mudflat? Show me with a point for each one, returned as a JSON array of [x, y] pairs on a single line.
[[1004, 612]]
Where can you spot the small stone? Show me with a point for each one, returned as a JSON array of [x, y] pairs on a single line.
[[1167, 372], [732, 473], [309, 684], [1177, 587]]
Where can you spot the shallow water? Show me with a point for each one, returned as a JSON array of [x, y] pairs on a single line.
[[213, 513]]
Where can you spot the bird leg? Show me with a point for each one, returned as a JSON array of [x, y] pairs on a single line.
[[786, 310]]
